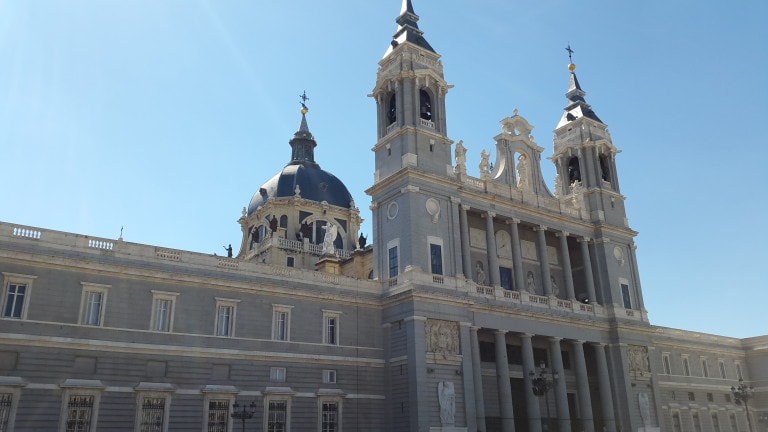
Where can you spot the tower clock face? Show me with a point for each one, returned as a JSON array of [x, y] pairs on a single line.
[[503, 243]]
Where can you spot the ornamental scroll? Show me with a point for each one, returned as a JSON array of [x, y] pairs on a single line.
[[442, 337]]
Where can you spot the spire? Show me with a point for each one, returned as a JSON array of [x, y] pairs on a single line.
[[577, 106], [303, 143], [408, 29]]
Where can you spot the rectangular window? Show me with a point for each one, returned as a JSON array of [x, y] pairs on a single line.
[[734, 424], [625, 296], [728, 397], [715, 422], [225, 316], [676, 425], [329, 376], [691, 396], [704, 368], [152, 414], [281, 322], [329, 421], [79, 413], [506, 277], [710, 397], [289, 261], [277, 374], [331, 327], [721, 365], [277, 416], [6, 405], [163, 304], [696, 422], [436, 258], [393, 262], [93, 302], [667, 364], [686, 367], [218, 415], [14, 300]]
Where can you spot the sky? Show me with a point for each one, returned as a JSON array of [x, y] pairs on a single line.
[[162, 118]]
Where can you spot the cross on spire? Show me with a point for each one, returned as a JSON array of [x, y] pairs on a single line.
[[304, 98], [570, 53]]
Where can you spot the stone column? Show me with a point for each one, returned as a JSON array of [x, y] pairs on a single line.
[[517, 254], [502, 381], [458, 267], [565, 257], [493, 257], [468, 374], [466, 257], [541, 248], [531, 400], [561, 396], [582, 388], [417, 372], [604, 383], [584, 242], [478, 379]]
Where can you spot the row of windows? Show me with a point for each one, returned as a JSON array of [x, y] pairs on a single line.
[[80, 410], [705, 372], [94, 300], [710, 396], [435, 256], [696, 422]]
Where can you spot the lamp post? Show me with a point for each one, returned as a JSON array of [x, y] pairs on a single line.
[[243, 414], [541, 384], [742, 394]]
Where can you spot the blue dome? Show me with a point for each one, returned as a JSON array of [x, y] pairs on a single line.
[[314, 184]]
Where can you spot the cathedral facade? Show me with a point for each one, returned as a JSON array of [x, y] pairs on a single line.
[[484, 302]]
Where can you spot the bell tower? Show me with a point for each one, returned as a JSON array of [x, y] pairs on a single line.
[[414, 184], [410, 103]]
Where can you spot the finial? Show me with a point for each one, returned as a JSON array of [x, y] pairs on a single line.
[[571, 66], [304, 98]]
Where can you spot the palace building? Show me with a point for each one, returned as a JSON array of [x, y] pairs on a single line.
[[484, 302]]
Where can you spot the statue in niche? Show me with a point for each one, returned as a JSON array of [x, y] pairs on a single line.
[[254, 236], [479, 273], [446, 396], [555, 288], [645, 408], [531, 283], [331, 231], [523, 182], [461, 158], [485, 166], [442, 337]]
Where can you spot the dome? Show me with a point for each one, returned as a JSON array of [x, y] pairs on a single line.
[[314, 184]]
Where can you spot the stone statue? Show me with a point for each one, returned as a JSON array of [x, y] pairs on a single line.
[[523, 182], [446, 396], [331, 230], [645, 408], [485, 166], [229, 250], [479, 273], [461, 158], [273, 224], [297, 191], [555, 288], [361, 241], [306, 231], [531, 283], [638, 359]]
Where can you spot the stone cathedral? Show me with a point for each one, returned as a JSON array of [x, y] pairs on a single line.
[[484, 301]]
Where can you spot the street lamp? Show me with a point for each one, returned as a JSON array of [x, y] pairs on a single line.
[[743, 393], [541, 384], [243, 414]]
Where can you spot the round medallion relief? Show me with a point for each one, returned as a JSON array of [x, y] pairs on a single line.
[[392, 209]]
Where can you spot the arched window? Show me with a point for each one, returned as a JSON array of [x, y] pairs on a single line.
[[284, 224], [425, 105], [574, 171], [605, 170], [392, 110]]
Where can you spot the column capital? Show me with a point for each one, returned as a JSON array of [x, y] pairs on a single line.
[[512, 221], [540, 228], [489, 214], [498, 331], [465, 324], [578, 341], [474, 328], [415, 318], [456, 200], [584, 239], [562, 234], [526, 335], [465, 207], [554, 339]]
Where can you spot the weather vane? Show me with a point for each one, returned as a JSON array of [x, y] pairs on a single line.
[[304, 98], [570, 53]]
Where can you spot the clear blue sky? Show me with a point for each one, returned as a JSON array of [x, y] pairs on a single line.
[[166, 116]]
